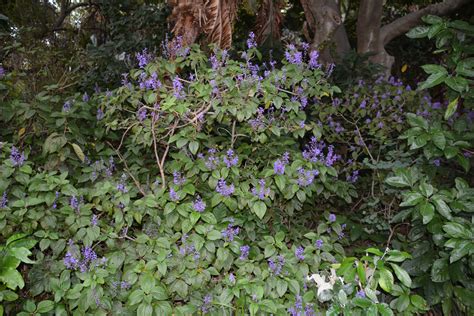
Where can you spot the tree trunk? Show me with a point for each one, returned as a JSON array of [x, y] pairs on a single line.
[[368, 33], [330, 37]]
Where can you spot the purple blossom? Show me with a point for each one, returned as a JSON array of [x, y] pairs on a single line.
[[279, 165], [251, 43], [100, 114], [276, 266], [437, 162], [173, 195], [85, 97], [4, 200], [89, 254], [143, 58], [244, 252], [261, 192], [330, 69], [215, 64], [199, 205], [17, 159], [94, 220], [141, 114], [67, 106], [230, 232], [230, 159], [360, 294], [122, 188], [2, 72], [74, 203], [212, 162], [206, 304], [332, 218], [224, 189], [308, 310], [232, 278], [299, 253], [178, 179], [363, 104], [293, 56], [124, 285], [313, 60], [319, 243], [306, 177], [70, 261], [353, 177], [178, 88]]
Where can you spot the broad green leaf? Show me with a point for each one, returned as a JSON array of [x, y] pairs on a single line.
[[427, 211], [78, 152], [401, 274], [259, 208], [386, 279]]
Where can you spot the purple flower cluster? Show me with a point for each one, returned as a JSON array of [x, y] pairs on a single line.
[[314, 152], [230, 232], [279, 165], [313, 60], [143, 58], [74, 203], [178, 179], [230, 159], [85, 97], [173, 195], [332, 218], [224, 189], [306, 177], [74, 261], [55, 205], [151, 82], [199, 205], [212, 161], [276, 266], [360, 294], [94, 220], [206, 304], [293, 55], [16, 157], [262, 191], [232, 278], [2, 72], [141, 114], [244, 252], [251, 43], [299, 253], [121, 187], [257, 123], [353, 177], [67, 106], [4, 200], [123, 285], [100, 114], [319, 243], [178, 89]]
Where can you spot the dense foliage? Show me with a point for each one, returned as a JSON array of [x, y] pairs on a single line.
[[206, 184]]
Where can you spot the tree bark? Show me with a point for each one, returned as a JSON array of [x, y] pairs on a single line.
[[324, 19], [371, 37], [404, 24]]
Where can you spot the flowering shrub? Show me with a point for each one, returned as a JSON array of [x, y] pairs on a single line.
[[206, 186]]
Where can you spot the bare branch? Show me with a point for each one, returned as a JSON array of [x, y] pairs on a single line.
[[404, 24]]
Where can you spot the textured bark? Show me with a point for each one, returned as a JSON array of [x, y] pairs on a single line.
[[404, 24], [324, 20], [372, 38], [269, 20]]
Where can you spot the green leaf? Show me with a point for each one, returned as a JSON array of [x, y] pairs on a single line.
[[281, 287], [21, 254], [439, 140], [462, 249], [12, 278], [144, 309], [411, 199], [193, 147], [418, 32], [457, 230], [214, 235], [135, 297], [433, 80], [147, 282], [280, 181], [458, 84], [402, 275], [419, 302], [433, 68], [45, 306], [259, 208], [442, 207], [397, 181], [417, 121], [386, 279], [452, 107], [384, 310], [427, 211], [78, 152]]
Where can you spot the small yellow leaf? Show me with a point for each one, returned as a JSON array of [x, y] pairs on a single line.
[[325, 94], [21, 132], [78, 152], [404, 68]]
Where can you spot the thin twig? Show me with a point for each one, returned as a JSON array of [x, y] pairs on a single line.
[[137, 183]]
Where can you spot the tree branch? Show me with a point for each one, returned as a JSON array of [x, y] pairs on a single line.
[[404, 24], [66, 12]]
